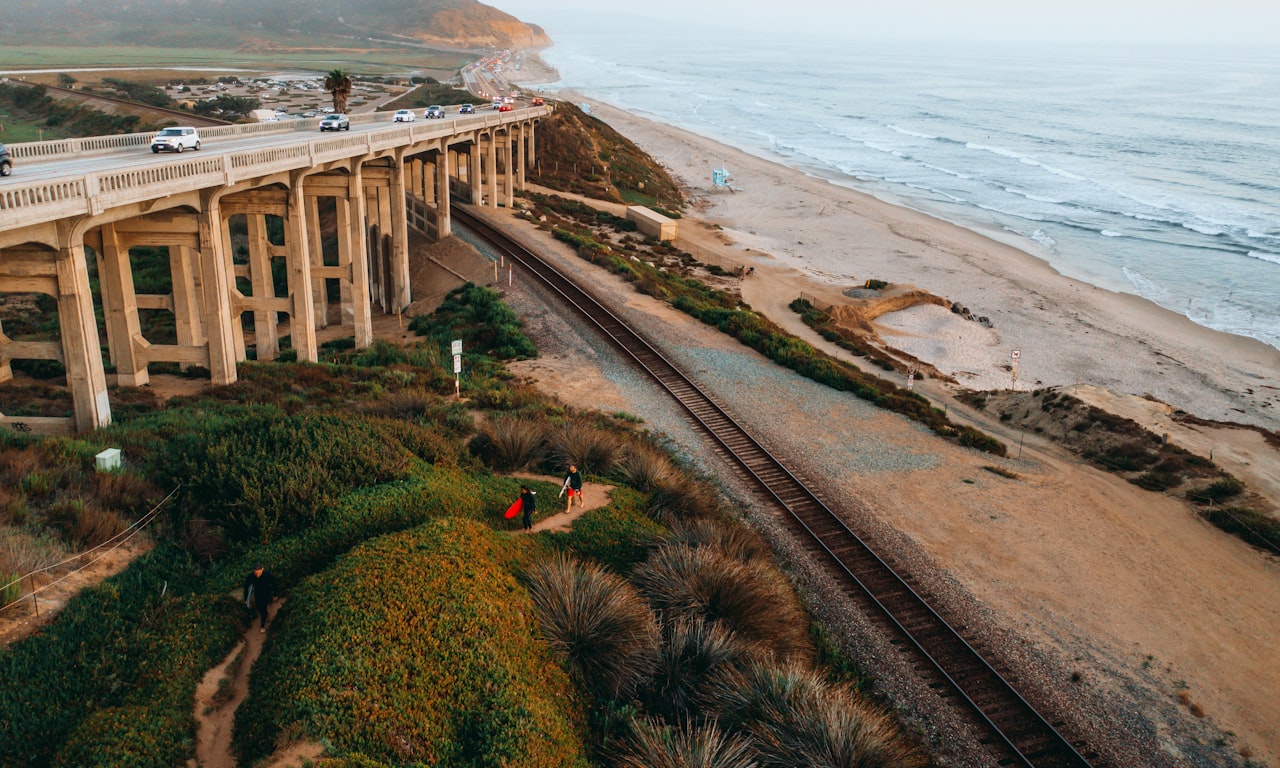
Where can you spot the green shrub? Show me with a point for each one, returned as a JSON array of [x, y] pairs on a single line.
[[1255, 527], [616, 536], [1217, 491], [416, 647], [261, 473]]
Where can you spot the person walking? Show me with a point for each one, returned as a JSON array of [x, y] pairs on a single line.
[[527, 505], [259, 591], [572, 486]]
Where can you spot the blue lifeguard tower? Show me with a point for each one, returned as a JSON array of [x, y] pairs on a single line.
[[720, 179]]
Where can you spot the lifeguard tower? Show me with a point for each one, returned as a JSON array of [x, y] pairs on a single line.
[[720, 179]]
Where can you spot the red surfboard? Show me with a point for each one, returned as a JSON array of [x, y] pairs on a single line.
[[514, 509]]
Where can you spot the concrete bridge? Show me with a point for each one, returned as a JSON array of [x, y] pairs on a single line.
[[333, 210]]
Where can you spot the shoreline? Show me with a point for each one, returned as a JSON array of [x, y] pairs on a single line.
[[826, 233]]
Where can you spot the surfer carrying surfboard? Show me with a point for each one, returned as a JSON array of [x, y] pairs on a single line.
[[572, 486], [527, 504]]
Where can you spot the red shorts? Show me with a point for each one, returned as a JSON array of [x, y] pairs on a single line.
[[571, 492]]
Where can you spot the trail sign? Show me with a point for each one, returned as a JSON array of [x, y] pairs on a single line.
[[457, 347], [1017, 353]]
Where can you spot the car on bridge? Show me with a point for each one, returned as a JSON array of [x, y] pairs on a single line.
[[6, 162], [466, 109], [538, 101], [434, 111], [175, 139], [505, 107], [403, 116], [335, 122]]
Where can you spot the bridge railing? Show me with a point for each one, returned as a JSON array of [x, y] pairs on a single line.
[[42, 201], [62, 149]]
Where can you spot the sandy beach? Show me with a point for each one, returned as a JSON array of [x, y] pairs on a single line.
[[1115, 573]]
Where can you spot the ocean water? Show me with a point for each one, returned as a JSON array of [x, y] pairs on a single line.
[[1147, 170]]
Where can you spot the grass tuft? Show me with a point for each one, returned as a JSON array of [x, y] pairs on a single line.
[[596, 622]]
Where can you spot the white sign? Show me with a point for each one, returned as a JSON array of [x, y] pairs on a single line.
[[1017, 353], [457, 363], [457, 347]]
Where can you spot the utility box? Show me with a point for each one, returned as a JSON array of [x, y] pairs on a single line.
[[652, 224], [108, 460]]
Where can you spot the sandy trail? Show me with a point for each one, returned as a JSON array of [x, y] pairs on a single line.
[[219, 695]]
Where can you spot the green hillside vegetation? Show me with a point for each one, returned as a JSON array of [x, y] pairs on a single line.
[[232, 23], [419, 627], [28, 110], [583, 155]]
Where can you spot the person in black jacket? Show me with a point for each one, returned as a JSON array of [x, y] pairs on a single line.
[[572, 485], [259, 591], [527, 504]]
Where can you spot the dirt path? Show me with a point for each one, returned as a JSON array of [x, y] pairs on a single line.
[[219, 695], [594, 496]]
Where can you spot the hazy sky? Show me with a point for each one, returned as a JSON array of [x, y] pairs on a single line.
[[1249, 22]]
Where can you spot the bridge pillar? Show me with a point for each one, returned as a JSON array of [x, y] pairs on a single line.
[[401, 288], [473, 173], [533, 160], [491, 169], [319, 290], [184, 263], [302, 323], [444, 222], [353, 251], [521, 135], [121, 310], [266, 332], [81, 350], [216, 285], [508, 171]]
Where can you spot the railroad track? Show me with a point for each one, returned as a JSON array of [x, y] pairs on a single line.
[[1018, 734]]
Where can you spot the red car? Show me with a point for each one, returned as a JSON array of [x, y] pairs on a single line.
[[537, 101], [506, 107]]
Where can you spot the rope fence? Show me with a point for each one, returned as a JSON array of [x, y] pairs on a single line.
[[103, 549]]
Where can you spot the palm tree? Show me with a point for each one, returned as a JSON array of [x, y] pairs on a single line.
[[339, 84]]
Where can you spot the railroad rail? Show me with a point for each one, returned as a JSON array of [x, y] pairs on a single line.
[[1019, 735]]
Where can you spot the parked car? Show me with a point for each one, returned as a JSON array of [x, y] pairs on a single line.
[[6, 162], [403, 116], [175, 139], [466, 109], [504, 107], [435, 110], [335, 122]]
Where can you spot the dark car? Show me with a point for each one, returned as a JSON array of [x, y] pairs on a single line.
[[335, 122], [6, 163]]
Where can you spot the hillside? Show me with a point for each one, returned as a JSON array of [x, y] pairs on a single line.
[[231, 23]]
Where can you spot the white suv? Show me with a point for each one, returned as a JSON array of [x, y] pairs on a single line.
[[175, 140], [403, 116]]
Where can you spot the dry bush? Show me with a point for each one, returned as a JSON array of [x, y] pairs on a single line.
[[514, 444], [596, 621], [646, 469], [753, 602], [202, 539], [691, 653], [22, 552], [795, 718], [13, 506], [592, 449], [406, 405], [125, 492], [731, 539], [680, 498], [82, 523], [653, 744]]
